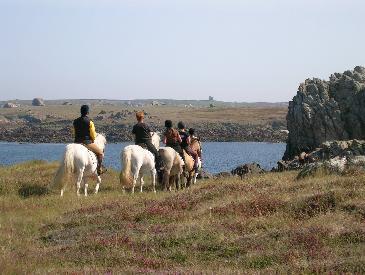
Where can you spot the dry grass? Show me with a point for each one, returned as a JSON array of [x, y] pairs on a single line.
[[267, 223]]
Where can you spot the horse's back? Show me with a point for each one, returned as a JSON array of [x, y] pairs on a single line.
[[169, 155], [138, 156], [79, 152]]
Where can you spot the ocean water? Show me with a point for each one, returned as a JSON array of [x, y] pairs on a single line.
[[217, 156]]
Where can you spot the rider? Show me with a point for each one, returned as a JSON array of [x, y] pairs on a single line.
[[143, 137], [85, 134], [172, 138], [185, 142]]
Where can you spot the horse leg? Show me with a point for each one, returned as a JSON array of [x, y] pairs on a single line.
[[62, 190], [85, 186], [195, 176], [177, 187], [171, 182], [135, 178], [153, 175], [141, 182], [98, 181], [79, 180], [188, 180], [166, 179]]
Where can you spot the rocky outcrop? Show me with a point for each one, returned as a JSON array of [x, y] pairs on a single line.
[[38, 102], [339, 148], [336, 165], [326, 111], [327, 151]]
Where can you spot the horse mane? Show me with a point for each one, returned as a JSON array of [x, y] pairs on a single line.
[[102, 137]]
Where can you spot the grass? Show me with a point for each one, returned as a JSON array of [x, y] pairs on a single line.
[[266, 223]]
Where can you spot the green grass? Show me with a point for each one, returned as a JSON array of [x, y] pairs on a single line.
[[266, 223]]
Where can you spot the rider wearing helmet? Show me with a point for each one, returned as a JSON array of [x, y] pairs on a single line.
[[172, 138], [185, 142], [85, 134], [142, 133]]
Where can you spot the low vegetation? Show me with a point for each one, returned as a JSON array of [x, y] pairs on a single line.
[[265, 223]]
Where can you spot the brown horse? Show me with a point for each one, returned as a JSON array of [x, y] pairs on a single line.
[[190, 173]]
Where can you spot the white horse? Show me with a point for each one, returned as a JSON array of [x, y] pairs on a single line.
[[136, 162], [79, 160]]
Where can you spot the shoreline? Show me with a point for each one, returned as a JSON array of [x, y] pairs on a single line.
[[208, 132]]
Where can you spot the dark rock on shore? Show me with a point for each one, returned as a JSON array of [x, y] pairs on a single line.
[[326, 110], [329, 157], [204, 175], [247, 169], [222, 175]]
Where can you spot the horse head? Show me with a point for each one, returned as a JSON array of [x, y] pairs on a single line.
[[155, 137]]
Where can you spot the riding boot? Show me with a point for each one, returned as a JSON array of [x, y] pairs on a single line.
[[100, 169]]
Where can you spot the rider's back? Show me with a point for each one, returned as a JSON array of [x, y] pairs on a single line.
[[141, 132], [82, 130]]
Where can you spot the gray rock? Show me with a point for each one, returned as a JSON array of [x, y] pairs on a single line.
[[223, 175], [204, 175], [326, 111], [245, 169], [38, 102], [333, 166], [10, 105]]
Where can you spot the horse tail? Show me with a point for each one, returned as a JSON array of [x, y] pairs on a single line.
[[125, 174], [66, 167]]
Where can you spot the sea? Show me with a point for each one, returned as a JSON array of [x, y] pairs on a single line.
[[217, 156]]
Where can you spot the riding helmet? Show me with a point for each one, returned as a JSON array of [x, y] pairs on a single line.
[[181, 125], [168, 123], [191, 131]]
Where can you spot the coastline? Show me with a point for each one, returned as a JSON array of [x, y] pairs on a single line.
[[217, 132]]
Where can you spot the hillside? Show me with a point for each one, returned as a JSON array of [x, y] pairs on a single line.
[[52, 123], [266, 223]]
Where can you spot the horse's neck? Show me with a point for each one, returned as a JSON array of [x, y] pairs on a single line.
[[195, 144], [99, 143], [156, 141]]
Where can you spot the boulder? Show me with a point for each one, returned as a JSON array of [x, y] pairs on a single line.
[[325, 111], [10, 105], [30, 118], [223, 175], [204, 175], [38, 102], [339, 148], [336, 165], [245, 169]]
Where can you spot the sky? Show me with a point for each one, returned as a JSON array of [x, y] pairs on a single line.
[[244, 51]]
